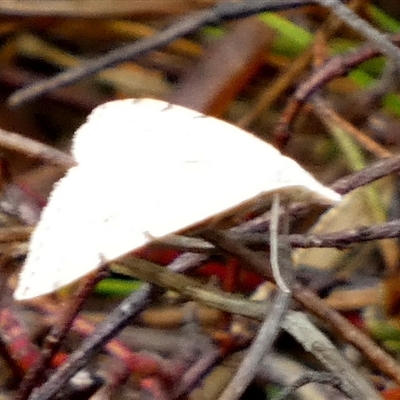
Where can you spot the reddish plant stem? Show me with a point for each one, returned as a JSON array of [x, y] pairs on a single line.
[[335, 67]]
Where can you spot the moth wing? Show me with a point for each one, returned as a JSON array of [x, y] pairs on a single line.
[[146, 169]]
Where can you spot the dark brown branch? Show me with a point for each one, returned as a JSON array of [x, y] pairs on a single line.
[[375, 171], [340, 239], [271, 325]]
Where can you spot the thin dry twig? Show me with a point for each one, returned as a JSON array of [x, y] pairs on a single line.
[[353, 383], [189, 287], [339, 239], [293, 71], [220, 12], [58, 333], [311, 377], [378, 357], [191, 377], [114, 322], [270, 327], [267, 334], [326, 113], [375, 171], [32, 148], [335, 67], [353, 20]]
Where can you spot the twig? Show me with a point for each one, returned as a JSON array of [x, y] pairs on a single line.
[[35, 149], [352, 382], [188, 287], [293, 71], [58, 332], [191, 377], [327, 114], [261, 345], [220, 12], [339, 239], [276, 88], [311, 377], [270, 327], [135, 362], [115, 321], [377, 170], [352, 19], [335, 67], [378, 357], [282, 278], [282, 370]]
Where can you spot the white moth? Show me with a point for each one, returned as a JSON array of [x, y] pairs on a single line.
[[145, 169]]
